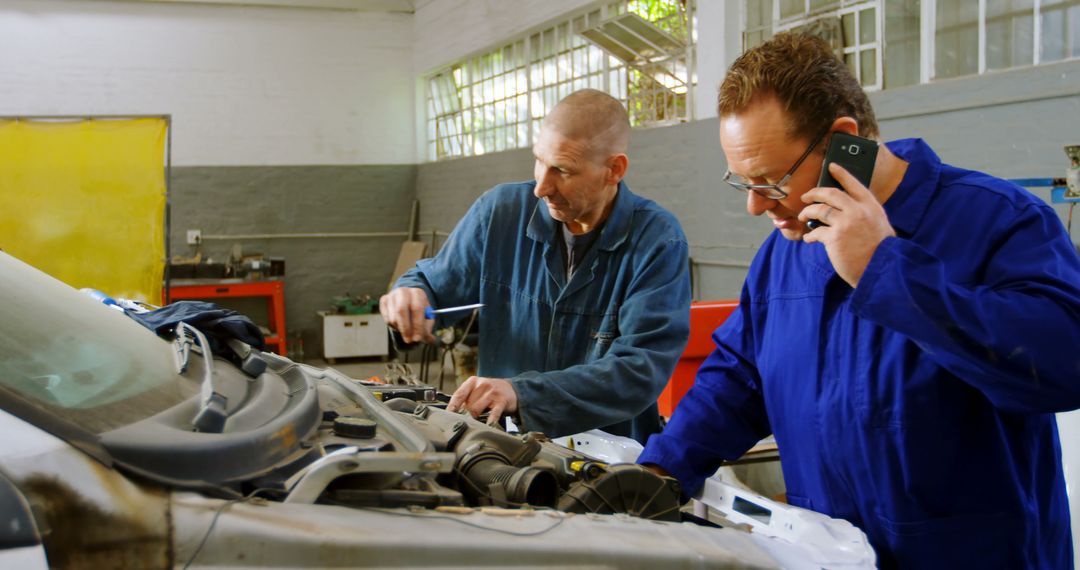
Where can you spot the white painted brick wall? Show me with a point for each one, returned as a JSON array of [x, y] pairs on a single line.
[[245, 86], [447, 30]]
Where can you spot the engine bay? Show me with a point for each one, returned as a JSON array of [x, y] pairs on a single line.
[[300, 434]]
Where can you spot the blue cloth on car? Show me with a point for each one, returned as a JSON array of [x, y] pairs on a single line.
[[592, 353], [919, 405], [216, 323]]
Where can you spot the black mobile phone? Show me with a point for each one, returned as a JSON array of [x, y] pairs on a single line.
[[856, 154]]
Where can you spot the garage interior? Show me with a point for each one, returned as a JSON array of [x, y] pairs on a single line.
[[310, 142]]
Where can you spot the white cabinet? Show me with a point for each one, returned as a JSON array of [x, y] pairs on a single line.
[[346, 336]]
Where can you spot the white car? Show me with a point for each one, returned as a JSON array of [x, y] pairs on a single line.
[[125, 450]]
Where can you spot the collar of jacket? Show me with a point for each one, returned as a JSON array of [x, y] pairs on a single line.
[[542, 226], [907, 206]]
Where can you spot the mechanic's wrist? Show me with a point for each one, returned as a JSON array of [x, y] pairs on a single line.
[[515, 410], [513, 400]]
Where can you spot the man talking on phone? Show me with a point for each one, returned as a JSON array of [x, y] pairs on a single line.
[[909, 353]]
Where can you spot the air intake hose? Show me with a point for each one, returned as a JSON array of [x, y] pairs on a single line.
[[491, 479]]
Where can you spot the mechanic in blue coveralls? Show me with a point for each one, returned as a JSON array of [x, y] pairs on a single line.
[[910, 355], [585, 285]]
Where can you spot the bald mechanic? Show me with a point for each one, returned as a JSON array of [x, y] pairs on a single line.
[[585, 286]]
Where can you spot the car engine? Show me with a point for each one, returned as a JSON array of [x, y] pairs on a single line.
[[306, 435]]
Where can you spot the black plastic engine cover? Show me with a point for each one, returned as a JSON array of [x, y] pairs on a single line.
[[626, 488]]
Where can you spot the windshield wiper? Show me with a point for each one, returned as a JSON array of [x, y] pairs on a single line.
[[212, 414]]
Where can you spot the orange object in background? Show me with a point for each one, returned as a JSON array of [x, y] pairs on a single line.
[[705, 317], [272, 289]]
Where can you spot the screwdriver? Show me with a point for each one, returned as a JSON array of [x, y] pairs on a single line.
[[430, 313]]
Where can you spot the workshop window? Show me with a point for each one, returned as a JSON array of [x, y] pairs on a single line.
[[895, 43], [1010, 29], [850, 26], [759, 21], [901, 61], [1060, 29], [639, 51], [956, 39], [561, 62]]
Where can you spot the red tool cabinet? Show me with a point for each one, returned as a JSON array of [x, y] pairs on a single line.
[[705, 317], [272, 290]]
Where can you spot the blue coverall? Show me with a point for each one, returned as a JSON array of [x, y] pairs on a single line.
[[592, 353], [919, 405]]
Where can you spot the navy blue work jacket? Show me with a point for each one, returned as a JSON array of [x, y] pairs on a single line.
[[592, 353], [919, 406]]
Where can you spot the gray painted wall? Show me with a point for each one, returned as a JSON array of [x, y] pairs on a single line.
[[1011, 124], [299, 199], [679, 167]]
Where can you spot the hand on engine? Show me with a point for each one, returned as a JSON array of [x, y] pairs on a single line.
[[477, 395]]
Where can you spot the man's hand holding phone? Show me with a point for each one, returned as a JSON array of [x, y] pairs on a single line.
[[856, 154], [855, 223]]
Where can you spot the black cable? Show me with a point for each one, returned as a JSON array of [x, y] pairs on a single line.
[[425, 365], [453, 345], [217, 514], [453, 364], [461, 477], [423, 360], [442, 366], [467, 523], [465, 333], [1069, 225], [429, 355], [252, 495]]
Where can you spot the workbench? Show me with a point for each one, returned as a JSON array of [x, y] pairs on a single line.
[[273, 290]]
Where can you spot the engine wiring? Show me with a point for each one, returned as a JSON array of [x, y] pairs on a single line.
[[460, 477], [429, 353], [460, 520], [452, 345], [217, 514], [234, 497]]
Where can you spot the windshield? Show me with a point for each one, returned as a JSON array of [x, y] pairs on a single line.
[[72, 356]]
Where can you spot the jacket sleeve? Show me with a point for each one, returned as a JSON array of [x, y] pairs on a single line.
[[1014, 335], [654, 324], [722, 416], [451, 278]]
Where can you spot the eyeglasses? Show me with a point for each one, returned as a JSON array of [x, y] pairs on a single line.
[[772, 191]]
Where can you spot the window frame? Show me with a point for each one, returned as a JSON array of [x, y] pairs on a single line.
[[927, 34], [453, 131]]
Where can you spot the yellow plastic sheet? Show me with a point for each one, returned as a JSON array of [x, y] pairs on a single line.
[[84, 201]]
